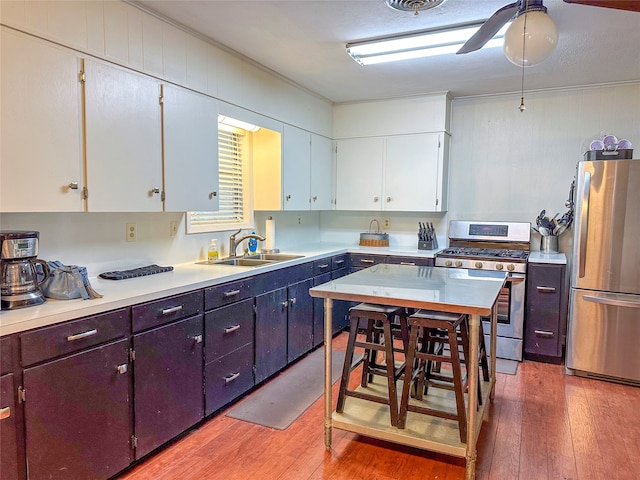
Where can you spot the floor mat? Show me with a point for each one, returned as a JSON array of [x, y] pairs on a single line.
[[283, 399]]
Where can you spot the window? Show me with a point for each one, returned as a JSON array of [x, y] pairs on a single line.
[[233, 188]]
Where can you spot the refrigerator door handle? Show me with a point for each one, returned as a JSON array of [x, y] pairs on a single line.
[[611, 301], [584, 224]]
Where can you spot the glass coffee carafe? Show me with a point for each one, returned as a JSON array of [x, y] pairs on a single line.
[[19, 282]]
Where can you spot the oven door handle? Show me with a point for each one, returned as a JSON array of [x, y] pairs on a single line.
[[515, 279]]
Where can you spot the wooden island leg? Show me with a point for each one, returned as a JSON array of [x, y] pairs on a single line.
[[328, 403], [472, 376]]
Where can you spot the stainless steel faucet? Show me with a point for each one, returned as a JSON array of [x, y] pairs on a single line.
[[233, 243]]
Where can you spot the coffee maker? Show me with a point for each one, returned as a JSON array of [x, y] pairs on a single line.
[[19, 283]]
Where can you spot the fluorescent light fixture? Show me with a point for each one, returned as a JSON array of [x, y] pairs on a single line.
[[427, 43], [232, 122]]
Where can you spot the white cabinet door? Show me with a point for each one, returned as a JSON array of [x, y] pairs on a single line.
[[190, 123], [359, 173], [412, 172], [321, 172], [123, 140], [41, 144], [296, 168]]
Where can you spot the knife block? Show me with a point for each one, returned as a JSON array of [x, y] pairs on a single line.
[[427, 245]]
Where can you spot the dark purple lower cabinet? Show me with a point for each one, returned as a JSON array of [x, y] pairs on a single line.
[[9, 469], [78, 415], [168, 382], [271, 333], [299, 319]]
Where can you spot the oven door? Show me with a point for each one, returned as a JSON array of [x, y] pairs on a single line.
[[510, 318]]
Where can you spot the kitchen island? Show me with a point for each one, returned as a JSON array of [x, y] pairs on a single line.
[[472, 292]]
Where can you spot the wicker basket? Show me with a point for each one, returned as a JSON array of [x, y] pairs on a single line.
[[374, 239]]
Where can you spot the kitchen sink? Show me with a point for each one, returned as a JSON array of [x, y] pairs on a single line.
[[254, 260]]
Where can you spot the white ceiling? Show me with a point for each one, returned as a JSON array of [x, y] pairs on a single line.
[[304, 40]]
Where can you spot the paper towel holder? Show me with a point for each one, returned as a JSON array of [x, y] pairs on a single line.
[[269, 235]]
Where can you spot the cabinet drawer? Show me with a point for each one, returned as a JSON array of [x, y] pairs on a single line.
[[163, 311], [73, 336], [227, 329], [228, 377], [322, 266], [400, 260], [339, 261], [541, 340], [339, 273], [226, 293], [365, 261]]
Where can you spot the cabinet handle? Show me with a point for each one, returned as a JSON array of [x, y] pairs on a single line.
[[287, 198], [285, 304], [121, 369], [325, 265], [5, 413], [155, 190], [375, 199], [544, 333], [366, 260], [388, 199], [408, 263], [213, 194], [197, 339], [169, 311], [292, 300], [231, 378], [78, 336], [546, 289], [231, 293], [340, 262], [73, 186], [232, 329]]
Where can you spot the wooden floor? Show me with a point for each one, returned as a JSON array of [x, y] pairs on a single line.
[[544, 424]]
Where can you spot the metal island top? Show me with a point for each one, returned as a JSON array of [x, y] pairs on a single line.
[[472, 292]]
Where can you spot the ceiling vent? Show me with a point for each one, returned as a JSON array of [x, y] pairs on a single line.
[[414, 6]]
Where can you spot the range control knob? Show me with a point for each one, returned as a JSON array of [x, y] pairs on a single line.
[[478, 264], [511, 267], [458, 263], [499, 266], [448, 263]]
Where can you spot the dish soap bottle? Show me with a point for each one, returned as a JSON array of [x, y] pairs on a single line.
[[212, 254], [253, 245]]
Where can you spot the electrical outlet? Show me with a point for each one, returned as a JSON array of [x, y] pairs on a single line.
[[386, 223], [299, 220], [132, 232], [173, 228]]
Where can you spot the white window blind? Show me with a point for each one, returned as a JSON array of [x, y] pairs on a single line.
[[231, 187]]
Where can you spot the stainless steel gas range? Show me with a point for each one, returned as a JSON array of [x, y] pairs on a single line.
[[495, 246]]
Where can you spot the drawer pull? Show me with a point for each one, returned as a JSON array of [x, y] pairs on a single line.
[[231, 378], [169, 311], [231, 293], [5, 413], [197, 339], [122, 369], [292, 300], [232, 329], [408, 263], [339, 262], [78, 336], [366, 260], [324, 265], [544, 333], [285, 304], [546, 289]]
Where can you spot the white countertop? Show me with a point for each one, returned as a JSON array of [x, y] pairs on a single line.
[[541, 257], [184, 278], [436, 288]]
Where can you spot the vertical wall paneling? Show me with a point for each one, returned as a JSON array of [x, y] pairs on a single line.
[[152, 45], [116, 32], [136, 42], [197, 62], [67, 23], [174, 54], [95, 28]]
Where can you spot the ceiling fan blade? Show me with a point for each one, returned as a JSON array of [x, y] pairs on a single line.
[[631, 5], [490, 28]]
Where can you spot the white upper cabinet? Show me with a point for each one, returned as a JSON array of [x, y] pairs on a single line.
[[296, 168], [123, 140], [190, 122], [394, 173], [41, 159], [359, 170], [321, 172]]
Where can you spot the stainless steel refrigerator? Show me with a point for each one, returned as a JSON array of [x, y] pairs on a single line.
[[603, 336]]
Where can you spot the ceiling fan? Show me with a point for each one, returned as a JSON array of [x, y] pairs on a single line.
[[514, 10]]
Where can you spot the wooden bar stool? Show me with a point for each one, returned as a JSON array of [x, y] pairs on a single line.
[[382, 324], [436, 329]]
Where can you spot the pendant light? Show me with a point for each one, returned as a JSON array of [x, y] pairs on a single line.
[[540, 37]]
